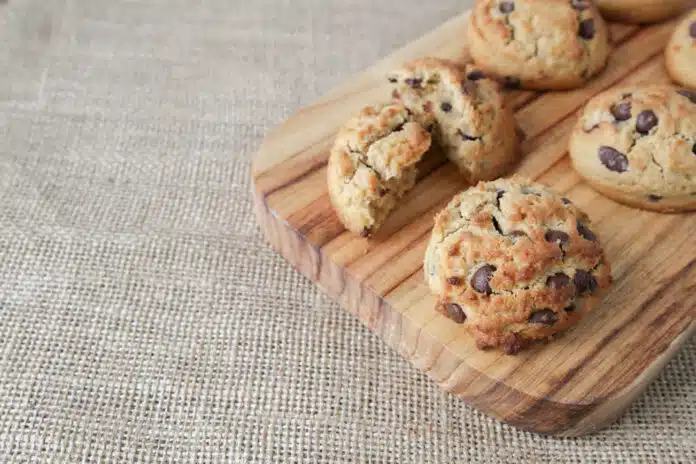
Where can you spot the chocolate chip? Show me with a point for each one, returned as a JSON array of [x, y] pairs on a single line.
[[507, 7], [365, 232], [414, 82], [514, 345], [400, 127], [587, 29], [543, 316], [654, 198], [481, 279], [566, 201], [467, 137], [556, 236], [693, 150], [613, 159], [454, 280], [496, 225], [584, 282], [621, 111], [586, 233], [579, 4], [692, 30], [688, 94], [645, 121], [393, 80], [570, 309], [475, 75], [382, 192], [511, 83], [557, 281], [446, 107], [498, 196], [455, 312]]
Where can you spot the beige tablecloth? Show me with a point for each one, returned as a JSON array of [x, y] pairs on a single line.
[[142, 316]]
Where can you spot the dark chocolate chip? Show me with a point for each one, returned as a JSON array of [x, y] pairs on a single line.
[[498, 196], [557, 281], [621, 111], [414, 83], [584, 282], [579, 4], [556, 236], [475, 75], [481, 279], [543, 316], [514, 345], [688, 94], [455, 312], [566, 201], [365, 232], [446, 107], [496, 225], [382, 192], [586, 233], [467, 137], [654, 198], [570, 309], [507, 7], [613, 159], [454, 280], [692, 30], [587, 29], [511, 83], [393, 80], [645, 121], [400, 127], [693, 150]]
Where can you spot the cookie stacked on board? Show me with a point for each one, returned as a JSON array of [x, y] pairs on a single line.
[[508, 259]]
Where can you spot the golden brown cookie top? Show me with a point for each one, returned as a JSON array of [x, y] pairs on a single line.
[[558, 42], [513, 257], [642, 137]]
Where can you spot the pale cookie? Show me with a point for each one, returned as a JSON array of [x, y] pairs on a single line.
[[514, 262], [471, 124], [640, 11], [373, 164], [680, 55], [638, 146], [538, 44]]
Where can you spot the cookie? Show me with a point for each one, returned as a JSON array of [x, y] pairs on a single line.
[[538, 44], [465, 111], [514, 262], [640, 11], [373, 163], [638, 146], [680, 54]]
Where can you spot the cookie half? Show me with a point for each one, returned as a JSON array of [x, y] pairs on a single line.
[[514, 262], [466, 112], [680, 54], [638, 146], [373, 164], [549, 44], [640, 11]]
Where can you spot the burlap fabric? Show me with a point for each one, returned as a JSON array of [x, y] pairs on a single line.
[[142, 316]]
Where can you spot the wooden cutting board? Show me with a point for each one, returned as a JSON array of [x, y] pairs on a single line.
[[572, 386]]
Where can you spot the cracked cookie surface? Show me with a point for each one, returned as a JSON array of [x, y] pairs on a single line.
[[514, 262], [373, 164], [638, 146], [538, 44], [465, 112], [680, 54], [639, 11]]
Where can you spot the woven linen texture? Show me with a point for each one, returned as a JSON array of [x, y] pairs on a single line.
[[142, 316]]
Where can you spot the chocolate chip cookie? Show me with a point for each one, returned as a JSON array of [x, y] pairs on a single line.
[[514, 262], [640, 11], [638, 146], [680, 55], [465, 112], [373, 164], [538, 44]]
